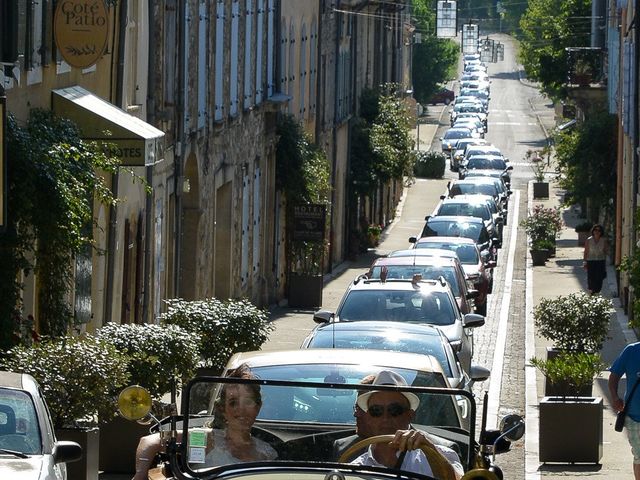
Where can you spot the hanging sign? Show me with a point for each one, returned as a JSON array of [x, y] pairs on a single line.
[[446, 19], [81, 30], [309, 222]]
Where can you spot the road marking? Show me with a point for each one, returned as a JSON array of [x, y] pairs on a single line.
[[495, 383], [512, 123], [531, 446]]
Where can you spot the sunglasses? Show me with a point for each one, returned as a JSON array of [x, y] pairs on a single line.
[[393, 410]]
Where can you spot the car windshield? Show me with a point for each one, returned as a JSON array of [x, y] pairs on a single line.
[[457, 133], [301, 410], [389, 339], [465, 210], [446, 228], [428, 272], [476, 163], [471, 188], [467, 254], [434, 308], [19, 427]]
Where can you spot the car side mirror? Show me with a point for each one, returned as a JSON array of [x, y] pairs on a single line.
[[479, 374], [66, 452], [413, 240], [510, 167], [509, 192], [472, 320], [442, 197], [323, 316]]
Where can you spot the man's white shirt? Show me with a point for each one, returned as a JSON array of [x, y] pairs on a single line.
[[414, 461]]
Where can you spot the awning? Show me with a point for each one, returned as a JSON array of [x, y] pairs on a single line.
[[138, 143]]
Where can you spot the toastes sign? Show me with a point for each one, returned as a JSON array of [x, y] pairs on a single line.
[[81, 30]]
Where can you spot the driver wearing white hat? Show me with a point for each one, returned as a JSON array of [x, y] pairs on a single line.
[[390, 413]]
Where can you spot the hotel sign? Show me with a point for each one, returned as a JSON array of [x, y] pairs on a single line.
[[81, 30]]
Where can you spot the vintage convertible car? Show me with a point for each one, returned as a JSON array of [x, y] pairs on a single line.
[[306, 408]]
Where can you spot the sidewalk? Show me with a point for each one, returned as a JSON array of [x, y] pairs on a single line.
[[562, 275]]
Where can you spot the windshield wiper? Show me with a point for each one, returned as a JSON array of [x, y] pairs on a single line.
[[14, 452]]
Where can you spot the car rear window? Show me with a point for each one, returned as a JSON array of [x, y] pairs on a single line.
[[467, 254]]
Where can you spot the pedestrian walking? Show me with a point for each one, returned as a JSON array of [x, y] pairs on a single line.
[[595, 256], [628, 364]]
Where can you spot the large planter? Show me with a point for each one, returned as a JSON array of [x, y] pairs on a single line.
[[539, 257], [540, 190], [559, 389], [305, 291], [570, 429], [118, 442], [89, 439]]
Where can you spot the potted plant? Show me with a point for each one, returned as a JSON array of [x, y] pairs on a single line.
[[158, 357], [540, 251], [570, 425], [80, 378], [577, 322], [221, 328], [540, 185], [583, 229], [373, 234]]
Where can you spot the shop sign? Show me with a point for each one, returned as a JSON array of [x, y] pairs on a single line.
[[81, 30], [309, 222]]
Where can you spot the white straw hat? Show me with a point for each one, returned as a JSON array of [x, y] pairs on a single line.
[[387, 377]]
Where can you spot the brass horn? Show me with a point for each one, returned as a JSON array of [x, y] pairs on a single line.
[[479, 474]]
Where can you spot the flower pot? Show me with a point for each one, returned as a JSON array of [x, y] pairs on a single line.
[[305, 290], [118, 442], [540, 189], [539, 257], [570, 429], [89, 439], [582, 238]]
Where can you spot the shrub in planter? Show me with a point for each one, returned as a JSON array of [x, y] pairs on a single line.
[[542, 244], [576, 322], [157, 354], [430, 164], [222, 328], [80, 377], [571, 373], [543, 223]]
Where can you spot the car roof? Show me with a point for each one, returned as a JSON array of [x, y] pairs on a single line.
[[455, 218], [419, 260], [384, 325], [466, 200], [319, 356], [445, 240]]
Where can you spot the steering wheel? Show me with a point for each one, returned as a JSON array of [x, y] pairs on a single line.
[[440, 466]]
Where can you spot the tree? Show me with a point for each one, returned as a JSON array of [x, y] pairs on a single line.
[[548, 28], [435, 59], [586, 157]]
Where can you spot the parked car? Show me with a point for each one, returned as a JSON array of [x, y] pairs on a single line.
[[457, 226], [442, 95], [397, 337], [415, 301], [483, 186], [469, 107], [443, 263], [488, 149], [452, 135], [477, 268], [468, 205], [28, 445], [458, 154], [487, 162]]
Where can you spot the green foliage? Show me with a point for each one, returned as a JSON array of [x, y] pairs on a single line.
[[157, 355], [542, 223], [80, 377], [430, 164], [302, 168], [547, 28], [586, 158], [542, 244], [389, 137], [573, 370], [631, 265], [53, 179], [223, 328], [434, 62], [577, 322]]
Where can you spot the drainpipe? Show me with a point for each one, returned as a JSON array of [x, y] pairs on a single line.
[[113, 210], [179, 151], [148, 203]]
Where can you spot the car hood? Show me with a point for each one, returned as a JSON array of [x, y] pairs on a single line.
[[36, 467], [470, 270]]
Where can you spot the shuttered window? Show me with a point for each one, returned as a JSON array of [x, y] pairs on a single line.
[[219, 62]]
